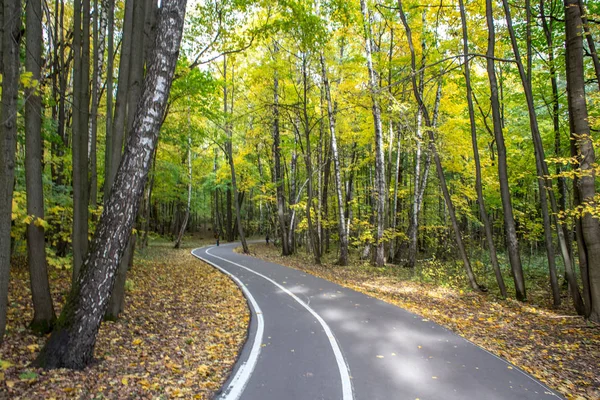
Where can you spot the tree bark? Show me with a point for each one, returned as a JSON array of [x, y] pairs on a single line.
[[80, 132], [8, 141], [108, 151], [43, 309], [189, 191], [277, 173], [509, 221], [229, 148], [118, 128], [589, 243], [544, 182], [71, 345], [379, 158], [438, 164], [343, 258], [478, 186]]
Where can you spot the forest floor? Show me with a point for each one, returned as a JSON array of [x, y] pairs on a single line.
[[178, 337], [554, 345]]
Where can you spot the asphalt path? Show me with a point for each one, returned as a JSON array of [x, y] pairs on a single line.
[[311, 339]]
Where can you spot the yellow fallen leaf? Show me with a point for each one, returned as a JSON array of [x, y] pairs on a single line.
[[136, 342], [33, 347], [125, 381], [379, 356], [5, 364], [10, 384]]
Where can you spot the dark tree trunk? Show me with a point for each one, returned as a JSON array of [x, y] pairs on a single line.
[[478, 187], [541, 167], [81, 64], [118, 128], [72, 343], [43, 309], [438, 164], [509, 221], [277, 173], [8, 140], [583, 148], [108, 151]]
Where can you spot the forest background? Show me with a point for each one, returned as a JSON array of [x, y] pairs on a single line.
[[456, 139]]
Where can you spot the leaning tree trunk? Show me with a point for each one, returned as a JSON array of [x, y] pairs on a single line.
[[379, 161], [8, 140], [43, 309], [592, 53], [478, 186], [436, 158], [540, 161], [509, 220], [72, 343], [588, 226]]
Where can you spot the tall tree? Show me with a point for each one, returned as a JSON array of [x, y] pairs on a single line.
[[509, 220], [582, 147], [478, 187], [72, 343], [343, 259], [43, 310], [429, 123], [11, 39], [276, 150], [81, 99], [379, 159], [229, 153]]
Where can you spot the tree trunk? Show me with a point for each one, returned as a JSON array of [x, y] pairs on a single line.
[[589, 245], [277, 175], [8, 140], [72, 344], [313, 241], [189, 194], [436, 158], [590, 41], [229, 149], [478, 186], [509, 221], [43, 309], [81, 46], [540, 160], [108, 151], [379, 158], [118, 128], [343, 259]]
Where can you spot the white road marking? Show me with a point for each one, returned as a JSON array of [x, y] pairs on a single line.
[[337, 352], [238, 383]]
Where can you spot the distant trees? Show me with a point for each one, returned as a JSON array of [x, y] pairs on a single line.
[[316, 123]]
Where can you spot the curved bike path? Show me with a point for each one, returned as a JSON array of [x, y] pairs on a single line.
[[311, 339]]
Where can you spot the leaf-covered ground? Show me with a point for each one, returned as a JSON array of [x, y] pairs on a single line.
[[179, 336], [555, 346]]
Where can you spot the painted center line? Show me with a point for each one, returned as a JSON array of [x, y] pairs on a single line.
[[343, 368]]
